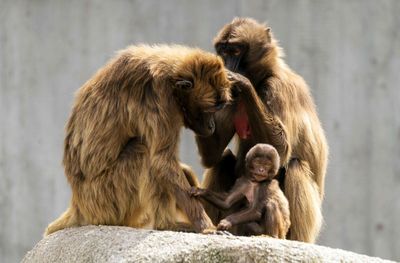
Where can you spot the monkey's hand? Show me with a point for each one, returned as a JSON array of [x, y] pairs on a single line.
[[195, 191], [224, 225], [239, 82]]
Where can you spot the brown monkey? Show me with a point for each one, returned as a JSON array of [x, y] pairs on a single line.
[[266, 209], [121, 144], [281, 112]]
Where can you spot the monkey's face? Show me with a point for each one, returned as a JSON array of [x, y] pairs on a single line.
[[260, 169], [202, 88], [262, 162], [242, 43]]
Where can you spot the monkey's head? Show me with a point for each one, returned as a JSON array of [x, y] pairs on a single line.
[[202, 88], [243, 43], [262, 162]]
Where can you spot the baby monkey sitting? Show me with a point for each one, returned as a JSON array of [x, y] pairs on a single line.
[[266, 208]]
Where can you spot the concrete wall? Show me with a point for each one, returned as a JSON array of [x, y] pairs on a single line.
[[347, 50]]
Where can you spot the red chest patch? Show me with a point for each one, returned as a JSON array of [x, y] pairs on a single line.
[[241, 121]]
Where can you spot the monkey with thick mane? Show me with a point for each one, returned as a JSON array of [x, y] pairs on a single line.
[[121, 144], [266, 209], [273, 105]]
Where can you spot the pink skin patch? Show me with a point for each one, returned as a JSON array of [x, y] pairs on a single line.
[[241, 121]]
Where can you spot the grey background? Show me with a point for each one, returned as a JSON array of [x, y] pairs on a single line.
[[348, 51]]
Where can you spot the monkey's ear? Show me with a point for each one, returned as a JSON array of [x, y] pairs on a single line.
[[269, 34], [184, 84]]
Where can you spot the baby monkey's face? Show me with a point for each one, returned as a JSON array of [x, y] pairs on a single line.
[[259, 169]]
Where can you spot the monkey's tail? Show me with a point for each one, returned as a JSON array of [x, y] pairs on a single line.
[[304, 202], [69, 218]]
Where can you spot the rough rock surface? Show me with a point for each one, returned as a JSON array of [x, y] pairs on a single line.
[[124, 244]]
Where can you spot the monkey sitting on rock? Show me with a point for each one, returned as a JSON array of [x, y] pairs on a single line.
[[266, 207], [121, 144]]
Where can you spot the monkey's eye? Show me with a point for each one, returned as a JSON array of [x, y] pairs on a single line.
[[220, 105], [236, 52], [223, 53], [184, 84]]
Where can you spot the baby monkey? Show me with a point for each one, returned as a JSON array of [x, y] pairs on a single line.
[[266, 208]]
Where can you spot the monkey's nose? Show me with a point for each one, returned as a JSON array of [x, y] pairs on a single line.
[[211, 126]]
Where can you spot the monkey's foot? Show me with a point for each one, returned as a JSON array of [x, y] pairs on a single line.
[[224, 225], [263, 235]]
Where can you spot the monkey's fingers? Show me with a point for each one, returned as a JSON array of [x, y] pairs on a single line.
[[238, 79], [209, 231], [193, 191], [230, 74], [224, 233]]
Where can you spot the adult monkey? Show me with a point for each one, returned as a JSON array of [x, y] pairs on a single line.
[[121, 144], [280, 112]]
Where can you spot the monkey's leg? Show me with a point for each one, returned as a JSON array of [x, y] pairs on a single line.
[[194, 182], [304, 202], [172, 183], [220, 178], [70, 218], [251, 229], [272, 217], [112, 197]]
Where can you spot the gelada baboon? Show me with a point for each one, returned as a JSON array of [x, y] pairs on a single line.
[[279, 110], [121, 144], [266, 207]]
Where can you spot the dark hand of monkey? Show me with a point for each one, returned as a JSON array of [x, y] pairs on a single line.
[[224, 225], [195, 191], [238, 81]]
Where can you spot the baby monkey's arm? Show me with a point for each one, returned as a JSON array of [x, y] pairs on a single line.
[[221, 200]]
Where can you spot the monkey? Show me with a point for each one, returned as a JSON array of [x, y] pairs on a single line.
[[272, 104], [267, 209], [121, 144]]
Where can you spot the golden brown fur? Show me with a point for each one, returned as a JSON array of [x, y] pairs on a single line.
[[281, 112], [122, 137]]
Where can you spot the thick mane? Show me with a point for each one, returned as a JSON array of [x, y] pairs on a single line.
[[121, 145]]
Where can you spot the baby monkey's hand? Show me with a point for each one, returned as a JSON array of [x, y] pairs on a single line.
[[195, 191]]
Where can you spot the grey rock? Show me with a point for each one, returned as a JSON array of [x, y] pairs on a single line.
[[124, 244]]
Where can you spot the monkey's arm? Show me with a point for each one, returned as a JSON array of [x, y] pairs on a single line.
[[174, 180], [101, 147], [223, 203], [265, 126], [244, 216], [221, 200], [211, 148]]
